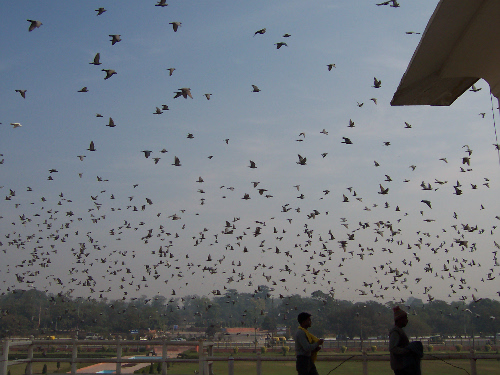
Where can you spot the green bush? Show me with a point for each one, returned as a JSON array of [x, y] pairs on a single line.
[[236, 350], [487, 348], [430, 348], [458, 347], [285, 349], [343, 349], [263, 350]]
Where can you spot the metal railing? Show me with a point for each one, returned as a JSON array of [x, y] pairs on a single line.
[[205, 358]]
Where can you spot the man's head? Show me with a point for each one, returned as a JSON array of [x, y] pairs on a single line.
[[304, 319], [400, 316]]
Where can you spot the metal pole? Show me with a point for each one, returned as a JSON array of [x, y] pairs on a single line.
[[230, 366], [365, 363], [119, 356], [164, 357], [259, 365], [29, 365], [5, 357], [473, 370], [74, 356]]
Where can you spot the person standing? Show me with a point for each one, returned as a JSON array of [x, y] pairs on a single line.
[[306, 346], [405, 356]]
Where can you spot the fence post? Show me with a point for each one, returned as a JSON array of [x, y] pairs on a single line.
[[259, 365], [473, 370], [119, 355], [230, 365], [210, 352], [365, 363], [5, 357], [29, 365], [74, 356], [201, 359], [164, 357]]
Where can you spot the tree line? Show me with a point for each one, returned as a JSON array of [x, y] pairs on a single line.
[[33, 312]]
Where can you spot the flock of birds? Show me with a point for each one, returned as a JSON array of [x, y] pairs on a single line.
[[120, 244]]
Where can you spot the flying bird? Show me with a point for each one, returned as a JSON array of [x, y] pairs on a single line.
[[115, 38], [161, 3], [111, 123], [330, 66], [147, 153], [280, 44], [96, 61], [302, 160], [15, 125], [22, 92], [252, 164], [255, 88], [84, 89], [261, 31], [377, 83], [171, 71], [175, 25], [109, 73], [91, 147], [34, 24], [177, 162], [100, 11]]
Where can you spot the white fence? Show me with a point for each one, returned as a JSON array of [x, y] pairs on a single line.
[[205, 358]]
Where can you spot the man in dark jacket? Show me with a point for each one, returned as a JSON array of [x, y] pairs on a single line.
[[405, 356]]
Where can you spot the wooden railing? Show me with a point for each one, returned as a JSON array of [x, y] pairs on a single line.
[[205, 358]]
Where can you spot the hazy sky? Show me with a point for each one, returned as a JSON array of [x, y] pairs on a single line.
[[88, 227]]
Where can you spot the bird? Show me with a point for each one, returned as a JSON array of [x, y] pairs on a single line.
[[207, 96], [255, 88], [347, 141], [147, 153], [261, 31], [330, 66], [177, 162], [351, 124], [171, 71], [161, 3], [111, 123], [185, 92], [22, 92], [252, 164], [91, 147], [109, 73], [302, 160], [407, 126], [383, 190], [377, 83], [175, 25], [34, 24], [286, 35], [15, 125], [280, 44], [96, 61], [427, 202], [374, 100], [115, 38], [474, 89], [84, 89], [100, 11]]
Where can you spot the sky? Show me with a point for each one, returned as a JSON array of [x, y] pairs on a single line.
[[113, 223]]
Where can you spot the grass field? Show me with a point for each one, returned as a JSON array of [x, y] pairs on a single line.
[[436, 367]]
